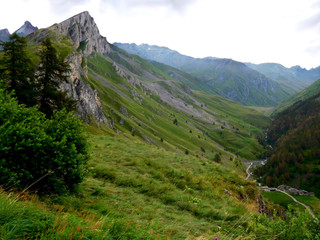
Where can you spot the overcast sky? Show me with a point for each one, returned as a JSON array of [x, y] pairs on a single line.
[[258, 31]]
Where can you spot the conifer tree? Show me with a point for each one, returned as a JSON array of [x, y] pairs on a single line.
[[17, 71], [51, 72]]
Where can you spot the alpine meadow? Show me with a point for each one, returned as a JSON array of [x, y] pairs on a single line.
[[137, 141]]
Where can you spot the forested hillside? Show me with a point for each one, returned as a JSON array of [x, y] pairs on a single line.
[[295, 158]]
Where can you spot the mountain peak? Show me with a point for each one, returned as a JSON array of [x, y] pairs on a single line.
[[4, 31], [84, 33], [4, 35], [26, 29]]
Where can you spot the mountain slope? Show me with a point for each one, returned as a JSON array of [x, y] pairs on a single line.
[[294, 79], [295, 157], [136, 98], [228, 78], [155, 144], [306, 93]]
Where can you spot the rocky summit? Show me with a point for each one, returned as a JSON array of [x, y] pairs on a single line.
[[84, 33], [4, 35], [26, 29]]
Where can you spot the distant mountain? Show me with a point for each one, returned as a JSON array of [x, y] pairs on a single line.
[[226, 77], [4, 35], [26, 29], [293, 79], [23, 31]]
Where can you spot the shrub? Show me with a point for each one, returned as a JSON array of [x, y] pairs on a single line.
[[217, 158], [46, 153]]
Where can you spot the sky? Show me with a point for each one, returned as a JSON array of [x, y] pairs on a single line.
[[257, 31]]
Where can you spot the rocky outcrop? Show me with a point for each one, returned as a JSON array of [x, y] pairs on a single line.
[[86, 39], [84, 33], [262, 208], [294, 191], [88, 101]]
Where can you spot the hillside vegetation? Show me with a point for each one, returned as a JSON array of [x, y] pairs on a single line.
[[295, 157], [150, 159], [306, 93], [136, 191], [203, 122], [228, 78]]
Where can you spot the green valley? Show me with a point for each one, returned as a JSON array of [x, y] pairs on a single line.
[[118, 146]]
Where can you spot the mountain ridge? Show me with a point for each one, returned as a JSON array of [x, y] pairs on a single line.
[[229, 78], [294, 79]]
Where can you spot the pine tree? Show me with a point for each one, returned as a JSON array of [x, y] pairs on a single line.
[[51, 72], [17, 71]]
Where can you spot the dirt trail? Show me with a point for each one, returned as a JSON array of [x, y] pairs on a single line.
[[257, 163], [304, 205]]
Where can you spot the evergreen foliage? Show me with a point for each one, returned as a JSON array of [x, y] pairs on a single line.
[[51, 72], [17, 71], [49, 153], [294, 160]]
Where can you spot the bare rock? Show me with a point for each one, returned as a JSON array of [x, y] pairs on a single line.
[[124, 111]]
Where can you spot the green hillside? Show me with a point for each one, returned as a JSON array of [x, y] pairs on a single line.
[[306, 93], [203, 121], [136, 191], [228, 78]]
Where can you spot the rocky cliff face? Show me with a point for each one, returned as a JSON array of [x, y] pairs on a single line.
[[84, 33], [86, 39], [85, 36], [88, 101]]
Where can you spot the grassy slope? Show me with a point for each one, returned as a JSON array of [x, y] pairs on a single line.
[[137, 191], [301, 96], [134, 189], [191, 133], [284, 201], [224, 76]]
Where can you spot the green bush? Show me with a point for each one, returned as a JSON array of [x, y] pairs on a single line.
[[47, 154]]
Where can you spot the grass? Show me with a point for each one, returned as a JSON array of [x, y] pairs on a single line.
[[32, 219], [311, 201], [136, 191], [306, 93], [281, 199], [181, 196], [191, 133]]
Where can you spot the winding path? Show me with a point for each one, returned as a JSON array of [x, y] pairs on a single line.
[[248, 171], [278, 190], [294, 199]]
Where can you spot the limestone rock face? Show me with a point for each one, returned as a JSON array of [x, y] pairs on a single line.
[[88, 101], [86, 39], [84, 33]]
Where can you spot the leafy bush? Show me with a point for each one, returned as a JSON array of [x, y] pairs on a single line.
[[46, 153]]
